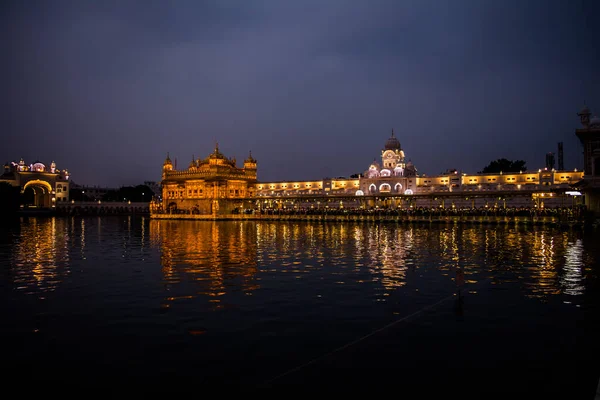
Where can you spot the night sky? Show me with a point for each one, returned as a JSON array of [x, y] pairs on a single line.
[[313, 88]]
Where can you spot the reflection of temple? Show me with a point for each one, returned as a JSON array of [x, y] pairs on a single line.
[[41, 186], [40, 260], [210, 186], [216, 257]]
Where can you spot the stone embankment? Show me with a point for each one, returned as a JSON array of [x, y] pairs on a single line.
[[398, 219]]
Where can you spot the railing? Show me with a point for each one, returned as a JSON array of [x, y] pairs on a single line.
[[105, 204], [468, 219]]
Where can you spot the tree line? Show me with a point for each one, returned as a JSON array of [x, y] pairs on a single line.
[[135, 194]]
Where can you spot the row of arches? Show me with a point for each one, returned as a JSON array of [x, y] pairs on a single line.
[[385, 188], [374, 173]]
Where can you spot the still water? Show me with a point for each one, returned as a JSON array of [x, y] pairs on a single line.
[[244, 304]]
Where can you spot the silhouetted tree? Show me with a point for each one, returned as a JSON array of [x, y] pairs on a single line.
[[139, 193], [79, 195], [504, 165]]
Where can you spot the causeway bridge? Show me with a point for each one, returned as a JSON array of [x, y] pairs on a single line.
[[102, 208]]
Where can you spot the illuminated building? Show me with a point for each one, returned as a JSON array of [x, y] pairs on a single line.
[[393, 175], [42, 185], [394, 182], [589, 135], [216, 186]]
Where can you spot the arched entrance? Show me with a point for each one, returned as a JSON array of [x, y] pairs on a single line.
[[37, 193], [385, 188], [172, 208]]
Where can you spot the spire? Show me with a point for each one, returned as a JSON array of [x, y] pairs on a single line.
[[392, 132], [250, 159]]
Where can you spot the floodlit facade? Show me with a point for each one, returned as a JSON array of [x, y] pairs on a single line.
[[42, 186], [216, 185]]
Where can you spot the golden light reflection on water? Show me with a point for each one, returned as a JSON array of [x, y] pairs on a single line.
[[217, 258], [40, 260], [572, 279], [223, 255]]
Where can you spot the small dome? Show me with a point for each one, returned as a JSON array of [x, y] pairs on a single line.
[[167, 160], [216, 154], [250, 159], [595, 121], [392, 143]]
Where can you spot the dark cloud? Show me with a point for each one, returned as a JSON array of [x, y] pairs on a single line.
[[312, 88]]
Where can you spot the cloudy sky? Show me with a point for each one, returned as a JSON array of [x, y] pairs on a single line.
[[312, 87]]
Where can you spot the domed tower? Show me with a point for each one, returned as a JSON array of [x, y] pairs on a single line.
[[392, 155], [53, 167], [584, 115], [167, 165], [193, 164], [216, 157], [589, 136], [250, 166]]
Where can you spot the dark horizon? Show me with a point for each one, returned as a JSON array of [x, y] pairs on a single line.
[[313, 90]]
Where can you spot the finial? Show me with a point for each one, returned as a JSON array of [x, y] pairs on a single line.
[[392, 132], [216, 147]]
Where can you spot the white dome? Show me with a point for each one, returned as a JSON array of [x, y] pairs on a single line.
[[595, 120]]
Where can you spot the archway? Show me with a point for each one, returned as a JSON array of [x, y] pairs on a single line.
[[37, 193], [172, 207], [385, 188]]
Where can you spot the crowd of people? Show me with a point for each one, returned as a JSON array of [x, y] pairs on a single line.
[[576, 213]]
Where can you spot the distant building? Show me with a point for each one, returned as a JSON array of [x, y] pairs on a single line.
[[589, 135], [41, 186], [561, 164], [91, 193], [550, 161], [216, 185], [393, 181]]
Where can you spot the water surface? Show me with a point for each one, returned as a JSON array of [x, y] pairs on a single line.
[[245, 304]]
